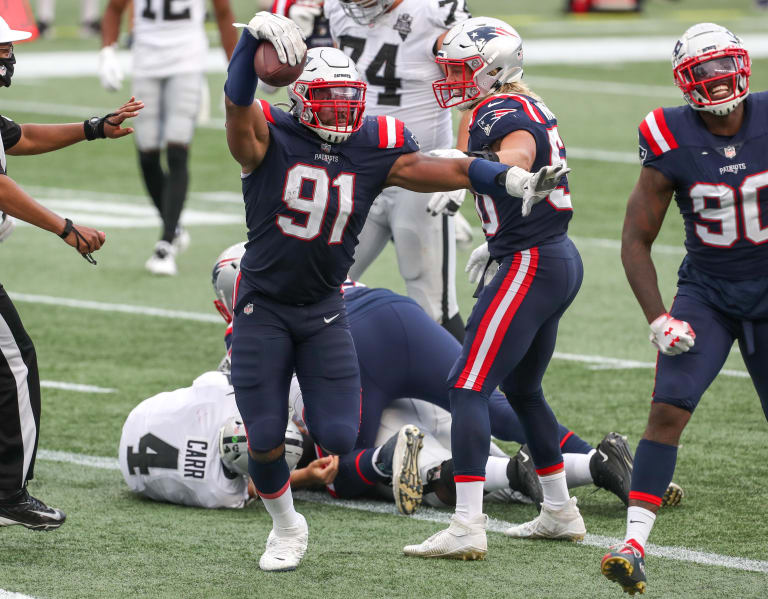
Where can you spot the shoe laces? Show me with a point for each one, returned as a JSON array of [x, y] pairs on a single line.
[[625, 548]]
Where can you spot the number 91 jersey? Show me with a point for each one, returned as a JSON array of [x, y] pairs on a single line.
[[506, 230], [395, 57], [169, 448], [721, 185]]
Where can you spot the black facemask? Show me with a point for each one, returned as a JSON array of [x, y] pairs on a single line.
[[6, 70]]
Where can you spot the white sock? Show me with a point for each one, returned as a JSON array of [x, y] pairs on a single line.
[[469, 499], [282, 511], [555, 490], [577, 472], [639, 524], [496, 474]]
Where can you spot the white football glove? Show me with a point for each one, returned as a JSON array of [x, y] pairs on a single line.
[[7, 224], [463, 231], [534, 187], [304, 13], [110, 71], [476, 265], [671, 336], [279, 31], [446, 202]]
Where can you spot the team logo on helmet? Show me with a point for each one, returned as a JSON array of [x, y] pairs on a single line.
[[482, 35], [492, 117], [403, 25]]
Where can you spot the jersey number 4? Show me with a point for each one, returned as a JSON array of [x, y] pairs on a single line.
[[725, 215], [153, 453], [316, 206], [385, 60]]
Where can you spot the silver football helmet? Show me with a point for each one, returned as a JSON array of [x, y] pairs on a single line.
[[329, 96], [365, 12], [711, 67], [478, 56], [223, 278], [233, 445]]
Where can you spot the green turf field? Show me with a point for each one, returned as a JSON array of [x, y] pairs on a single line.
[[116, 545]]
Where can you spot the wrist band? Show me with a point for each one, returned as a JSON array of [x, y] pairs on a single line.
[[67, 229]]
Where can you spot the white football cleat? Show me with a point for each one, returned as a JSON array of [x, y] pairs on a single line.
[[565, 523], [407, 486], [181, 240], [284, 552], [463, 539], [163, 260]]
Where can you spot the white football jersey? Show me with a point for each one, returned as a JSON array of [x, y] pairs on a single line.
[[169, 449], [168, 37], [394, 57]]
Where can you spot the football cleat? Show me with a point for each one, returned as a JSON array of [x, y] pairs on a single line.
[[522, 476], [565, 523], [624, 564], [29, 511], [163, 260], [463, 539], [284, 552], [407, 486], [611, 466], [673, 495], [181, 240]]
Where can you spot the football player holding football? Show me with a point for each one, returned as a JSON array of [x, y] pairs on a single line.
[[169, 52], [512, 331], [393, 43], [309, 177], [711, 156]]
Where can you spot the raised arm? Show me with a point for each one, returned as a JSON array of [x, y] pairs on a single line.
[[646, 209]]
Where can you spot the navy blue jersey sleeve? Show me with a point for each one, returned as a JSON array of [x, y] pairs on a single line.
[[656, 143], [501, 115], [383, 139]]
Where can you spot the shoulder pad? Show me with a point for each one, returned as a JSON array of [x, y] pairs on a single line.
[[656, 133], [508, 103]]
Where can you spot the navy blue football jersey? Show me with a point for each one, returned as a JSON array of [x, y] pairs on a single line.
[[506, 230], [306, 204], [721, 185]]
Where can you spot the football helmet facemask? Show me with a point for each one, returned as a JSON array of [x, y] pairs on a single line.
[[223, 278], [329, 97], [711, 67], [365, 12], [478, 56]]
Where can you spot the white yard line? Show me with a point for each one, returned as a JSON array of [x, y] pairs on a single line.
[[11, 595], [595, 362], [432, 515], [75, 387]]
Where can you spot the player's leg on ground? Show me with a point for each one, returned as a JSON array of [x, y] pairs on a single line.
[[426, 256], [19, 425], [262, 367], [373, 238], [680, 382], [755, 356], [181, 100]]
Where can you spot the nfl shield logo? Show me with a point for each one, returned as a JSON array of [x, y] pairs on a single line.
[[248, 309], [325, 148], [729, 151]]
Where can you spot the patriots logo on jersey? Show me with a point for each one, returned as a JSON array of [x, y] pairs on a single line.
[[482, 35], [492, 117]]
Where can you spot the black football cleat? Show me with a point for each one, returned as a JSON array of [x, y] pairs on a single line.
[[29, 511], [625, 565], [522, 476], [611, 466]]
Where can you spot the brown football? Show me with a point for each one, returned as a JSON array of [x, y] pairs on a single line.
[[273, 72]]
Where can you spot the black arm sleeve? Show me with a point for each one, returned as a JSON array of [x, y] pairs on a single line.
[[10, 132]]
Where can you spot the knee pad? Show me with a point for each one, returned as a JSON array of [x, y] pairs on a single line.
[[336, 439]]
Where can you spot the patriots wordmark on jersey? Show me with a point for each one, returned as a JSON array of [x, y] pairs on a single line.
[[306, 204], [395, 57], [720, 185], [506, 230], [169, 449], [168, 37]]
